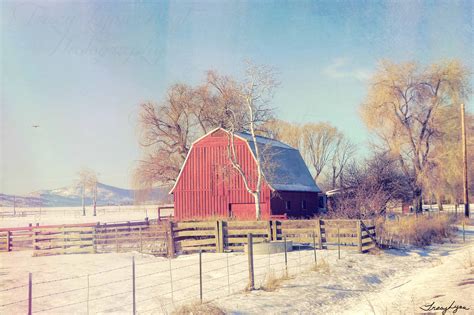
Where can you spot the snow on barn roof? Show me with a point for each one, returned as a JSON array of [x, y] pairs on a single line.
[[283, 167], [263, 140]]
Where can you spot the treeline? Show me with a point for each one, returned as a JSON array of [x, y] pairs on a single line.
[[412, 112]]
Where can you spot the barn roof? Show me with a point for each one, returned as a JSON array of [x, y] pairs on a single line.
[[284, 169]]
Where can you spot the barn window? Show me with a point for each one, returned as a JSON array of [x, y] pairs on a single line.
[[288, 205], [303, 204]]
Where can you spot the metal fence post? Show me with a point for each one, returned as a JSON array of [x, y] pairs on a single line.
[[200, 275], [338, 244], [133, 286], [30, 293], [88, 294], [286, 255], [171, 282], [228, 276], [250, 261], [463, 233]]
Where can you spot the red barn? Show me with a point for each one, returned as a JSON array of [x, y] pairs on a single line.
[[207, 185]]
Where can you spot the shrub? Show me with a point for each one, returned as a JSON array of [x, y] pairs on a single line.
[[197, 308], [419, 231]]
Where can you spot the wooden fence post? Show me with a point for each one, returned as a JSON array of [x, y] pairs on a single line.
[[219, 235], [274, 230], [9, 241], [140, 236], [250, 261], [320, 234], [359, 236], [30, 293], [269, 230], [222, 235]]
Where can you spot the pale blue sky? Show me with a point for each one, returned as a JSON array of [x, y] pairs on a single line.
[[80, 69]]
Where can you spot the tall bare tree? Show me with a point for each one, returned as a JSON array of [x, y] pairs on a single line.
[[256, 92], [168, 129], [88, 182], [344, 151], [403, 109], [319, 146], [289, 133], [166, 133]]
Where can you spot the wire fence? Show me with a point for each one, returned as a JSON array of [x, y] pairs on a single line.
[[157, 286]]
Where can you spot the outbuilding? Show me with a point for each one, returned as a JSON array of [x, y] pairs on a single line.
[[208, 186]]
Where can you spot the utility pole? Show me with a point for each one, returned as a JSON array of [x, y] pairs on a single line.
[[464, 156], [14, 205]]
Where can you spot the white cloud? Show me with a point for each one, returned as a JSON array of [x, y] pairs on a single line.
[[343, 68]]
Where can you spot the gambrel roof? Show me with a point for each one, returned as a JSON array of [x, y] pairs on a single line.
[[283, 167]]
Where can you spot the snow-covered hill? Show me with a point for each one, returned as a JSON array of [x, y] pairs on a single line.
[[72, 196]]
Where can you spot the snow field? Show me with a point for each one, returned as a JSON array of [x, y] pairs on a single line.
[[70, 215], [60, 283]]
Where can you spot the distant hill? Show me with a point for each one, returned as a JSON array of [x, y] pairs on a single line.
[[72, 196]]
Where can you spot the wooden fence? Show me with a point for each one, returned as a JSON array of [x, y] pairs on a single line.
[[63, 240], [223, 235], [168, 238]]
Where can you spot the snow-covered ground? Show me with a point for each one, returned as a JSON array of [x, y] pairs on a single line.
[[392, 282], [69, 215]]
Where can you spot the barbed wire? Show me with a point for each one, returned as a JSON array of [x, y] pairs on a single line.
[[13, 288]]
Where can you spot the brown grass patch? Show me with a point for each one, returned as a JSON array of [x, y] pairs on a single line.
[[322, 267], [420, 231], [273, 282], [197, 308]]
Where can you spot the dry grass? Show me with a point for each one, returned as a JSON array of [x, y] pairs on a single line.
[[419, 231], [272, 282], [322, 267], [375, 251], [197, 308]]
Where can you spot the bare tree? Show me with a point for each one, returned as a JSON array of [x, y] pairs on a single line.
[[166, 133], [404, 109], [320, 141], [343, 152], [368, 188], [289, 133], [88, 182], [256, 93], [168, 129]]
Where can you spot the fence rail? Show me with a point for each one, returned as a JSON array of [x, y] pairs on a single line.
[[168, 238]]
